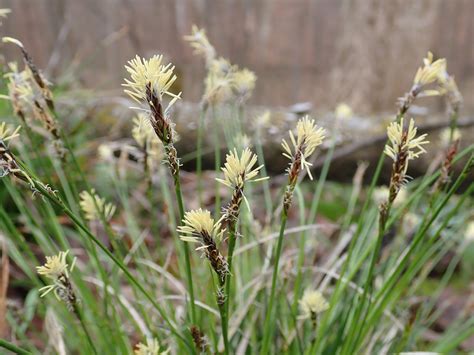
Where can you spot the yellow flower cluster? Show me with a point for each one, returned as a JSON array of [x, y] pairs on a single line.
[[199, 41], [312, 303], [244, 83], [152, 347], [150, 73], [308, 137], [404, 139], [197, 222], [94, 206], [56, 269], [240, 169], [430, 71], [54, 266]]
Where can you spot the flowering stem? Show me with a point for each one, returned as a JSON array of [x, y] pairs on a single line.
[[12, 347], [199, 154], [59, 203], [268, 326], [217, 160], [230, 253], [79, 316], [179, 198], [224, 323]]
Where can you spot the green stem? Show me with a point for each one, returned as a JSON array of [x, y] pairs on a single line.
[[179, 198], [79, 316], [59, 203], [230, 253], [199, 155], [268, 326], [217, 161], [12, 347]]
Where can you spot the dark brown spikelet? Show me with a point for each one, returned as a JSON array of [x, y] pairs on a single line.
[[8, 164], [38, 77], [231, 211], [399, 167], [66, 292], [446, 167], [217, 260], [293, 173], [199, 340], [161, 125], [48, 121]]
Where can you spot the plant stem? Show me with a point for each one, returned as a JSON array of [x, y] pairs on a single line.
[[12, 347], [268, 325], [59, 203], [80, 317], [217, 162], [179, 198], [199, 155]]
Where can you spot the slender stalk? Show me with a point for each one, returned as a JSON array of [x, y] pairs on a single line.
[[59, 203], [199, 154], [217, 160], [187, 257], [268, 325], [80, 317], [12, 347]]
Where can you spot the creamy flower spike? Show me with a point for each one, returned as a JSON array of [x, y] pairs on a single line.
[[312, 303], [404, 139], [152, 347], [4, 12], [93, 210], [221, 67], [308, 137], [240, 169], [244, 83], [150, 73], [199, 227], [55, 266], [431, 71], [196, 223], [201, 44], [7, 133]]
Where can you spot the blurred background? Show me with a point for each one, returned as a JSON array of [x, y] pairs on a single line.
[[363, 52]]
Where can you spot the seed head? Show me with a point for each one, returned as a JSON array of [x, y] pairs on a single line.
[[201, 45], [240, 169], [152, 347], [308, 137], [197, 223], [199, 227], [55, 266], [150, 73], [312, 303], [57, 269], [404, 140], [95, 206], [4, 12], [430, 71], [244, 83]]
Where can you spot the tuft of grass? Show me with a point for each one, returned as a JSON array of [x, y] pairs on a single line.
[[307, 267]]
